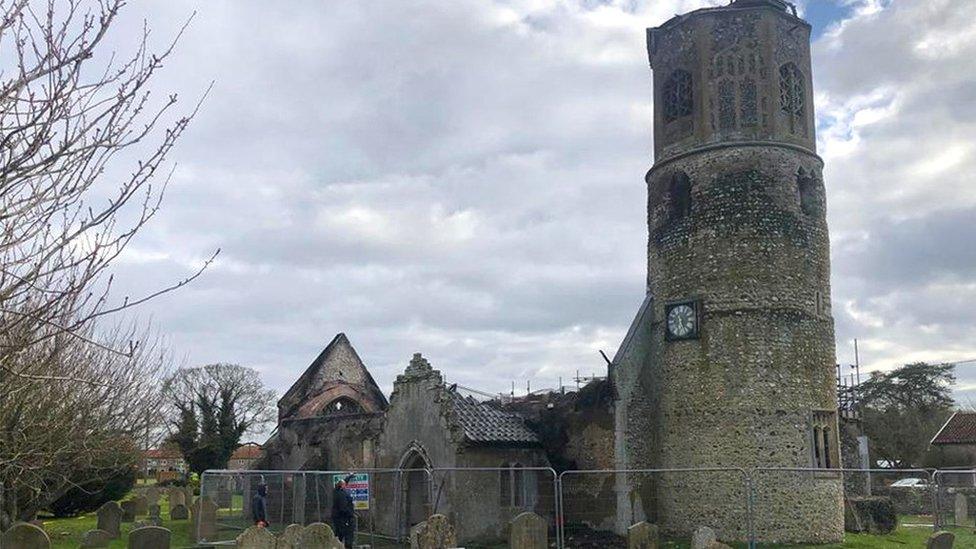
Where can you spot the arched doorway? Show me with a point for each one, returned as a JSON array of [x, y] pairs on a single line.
[[415, 488]]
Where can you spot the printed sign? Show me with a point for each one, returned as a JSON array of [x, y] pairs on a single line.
[[358, 488]]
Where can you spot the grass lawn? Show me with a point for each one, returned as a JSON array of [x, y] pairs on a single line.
[[67, 533]]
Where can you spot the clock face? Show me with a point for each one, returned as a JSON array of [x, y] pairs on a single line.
[[682, 321]]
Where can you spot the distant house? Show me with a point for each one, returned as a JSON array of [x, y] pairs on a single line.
[[959, 430], [166, 458], [245, 456]]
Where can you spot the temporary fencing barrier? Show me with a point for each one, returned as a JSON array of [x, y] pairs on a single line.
[[588, 508]]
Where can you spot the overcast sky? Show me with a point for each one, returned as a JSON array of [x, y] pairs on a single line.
[[464, 178]]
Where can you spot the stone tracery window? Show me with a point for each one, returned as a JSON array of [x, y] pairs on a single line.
[[677, 95], [512, 485], [343, 405], [792, 89]]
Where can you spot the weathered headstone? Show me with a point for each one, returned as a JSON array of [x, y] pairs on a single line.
[[179, 512], [188, 495], [319, 535], [128, 511], [415, 532], [642, 535], [437, 534], [96, 538], [528, 531], [204, 515], [291, 538], [962, 510], [149, 537], [256, 537], [941, 540], [176, 496], [142, 505], [702, 538], [152, 495], [110, 518], [24, 535]]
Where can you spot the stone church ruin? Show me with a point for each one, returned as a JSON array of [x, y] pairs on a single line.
[[728, 365]]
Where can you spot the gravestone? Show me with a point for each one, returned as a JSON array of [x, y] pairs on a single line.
[[180, 512], [142, 505], [703, 538], [149, 537], [176, 496], [437, 534], [962, 510], [642, 535], [941, 540], [291, 538], [188, 495], [319, 535], [415, 531], [96, 538], [204, 515], [528, 531], [110, 518], [24, 535], [128, 511], [256, 537], [152, 495]]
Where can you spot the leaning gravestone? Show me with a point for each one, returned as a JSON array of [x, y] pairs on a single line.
[[179, 512], [128, 511], [528, 531], [96, 538], [703, 538], [176, 496], [204, 515], [149, 537], [142, 505], [437, 534], [152, 495], [256, 537], [110, 518], [642, 535], [962, 510], [319, 535], [415, 531], [941, 540], [24, 535], [291, 538]]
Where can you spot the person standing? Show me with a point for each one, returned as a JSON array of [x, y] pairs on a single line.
[[259, 506], [343, 514]]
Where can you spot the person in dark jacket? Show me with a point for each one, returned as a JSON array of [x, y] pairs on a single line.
[[259, 506], [343, 513]]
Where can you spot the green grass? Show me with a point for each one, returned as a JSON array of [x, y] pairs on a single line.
[[67, 533]]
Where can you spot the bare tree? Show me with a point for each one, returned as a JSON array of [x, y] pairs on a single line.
[[212, 407], [70, 114]]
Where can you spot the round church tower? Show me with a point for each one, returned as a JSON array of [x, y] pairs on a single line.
[[741, 372]]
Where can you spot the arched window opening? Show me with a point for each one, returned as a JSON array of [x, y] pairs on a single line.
[[680, 196], [806, 188], [791, 95], [342, 406], [512, 487], [677, 96], [824, 439]]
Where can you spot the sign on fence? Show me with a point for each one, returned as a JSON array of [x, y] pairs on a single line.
[[358, 488]]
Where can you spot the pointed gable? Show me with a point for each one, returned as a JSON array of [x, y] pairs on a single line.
[[336, 373]]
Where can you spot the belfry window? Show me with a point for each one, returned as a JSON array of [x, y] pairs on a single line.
[[677, 96], [792, 88], [512, 486], [806, 188], [679, 193], [824, 439]]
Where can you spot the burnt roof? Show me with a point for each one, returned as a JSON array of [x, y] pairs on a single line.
[[959, 429], [482, 423]]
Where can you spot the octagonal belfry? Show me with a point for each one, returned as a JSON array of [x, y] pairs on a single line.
[[730, 362]]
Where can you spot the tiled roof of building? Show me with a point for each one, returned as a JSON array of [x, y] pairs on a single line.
[[250, 450], [485, 424], [960, 429], [166, 452]]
